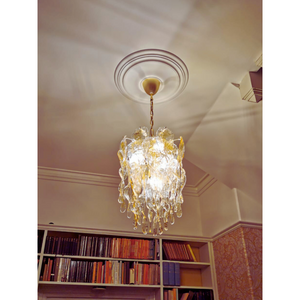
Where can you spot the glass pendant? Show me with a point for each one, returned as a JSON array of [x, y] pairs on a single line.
[[152, 175]]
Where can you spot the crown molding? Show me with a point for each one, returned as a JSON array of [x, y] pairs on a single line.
[[234, 227], [200, 187], [53, 174]]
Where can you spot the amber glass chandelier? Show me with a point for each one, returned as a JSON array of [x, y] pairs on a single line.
[[152, 174]]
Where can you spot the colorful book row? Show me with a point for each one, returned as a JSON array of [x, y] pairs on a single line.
[[171, 274], [111, 272], [178, 251], [103, 247], [197, 295]]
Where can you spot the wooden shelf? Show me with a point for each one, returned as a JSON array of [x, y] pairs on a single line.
[[80, 257], [190, 264], [189, 287], [99, 284]]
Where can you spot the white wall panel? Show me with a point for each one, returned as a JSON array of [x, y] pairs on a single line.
[[250, 209], [96, 207], [219, 209]]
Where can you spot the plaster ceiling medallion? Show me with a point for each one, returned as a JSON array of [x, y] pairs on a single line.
[[162, 65]]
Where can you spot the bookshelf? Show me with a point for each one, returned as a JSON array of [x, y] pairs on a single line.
[[118, 264]]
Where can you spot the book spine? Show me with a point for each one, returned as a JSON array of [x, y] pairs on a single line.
[[88, 246], [165, 273], [78, 272], [132, 245], [171, 274], [177, 274], [166, 295], [45, 272], [49, 269], [103, 273], [78, 245], [191, 252], [187, 258], [82, 238], [84, 245], [58, 245], [47, 244], [96, 246]]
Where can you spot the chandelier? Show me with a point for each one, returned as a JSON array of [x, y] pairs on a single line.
[[152, 174]]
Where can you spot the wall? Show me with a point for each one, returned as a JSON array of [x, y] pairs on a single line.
[[250, 208], [218, 208], [228, 143], [238, 261], [92, 206]]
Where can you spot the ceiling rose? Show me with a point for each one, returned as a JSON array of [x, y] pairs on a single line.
[[162, 65]]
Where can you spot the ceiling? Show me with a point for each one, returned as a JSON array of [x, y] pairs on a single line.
[[82, 116]]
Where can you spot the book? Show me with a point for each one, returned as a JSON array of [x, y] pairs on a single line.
[[72, 271], [166, 251], [56, 265], [185, 252], [78, 245], [102, 274], [177, 274], [78, 271], [174, 294], [94, 272], [45, 271], [100, 247], [184, 296], [171, 273], [190, 295], [187, 257], [88, 246], [96, 246], [191, 252], [131, 276], [49, 269], [157, 251], [165, 295], [165, 273], [151, 249]]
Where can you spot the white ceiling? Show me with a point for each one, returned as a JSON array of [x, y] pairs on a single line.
[[82, 117]]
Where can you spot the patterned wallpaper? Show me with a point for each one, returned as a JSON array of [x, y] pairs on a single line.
[[238, 261], [253, 242]]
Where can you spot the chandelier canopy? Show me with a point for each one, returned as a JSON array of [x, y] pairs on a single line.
[[152, 174]]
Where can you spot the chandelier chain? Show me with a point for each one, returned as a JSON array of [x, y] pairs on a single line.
[[151, 116]]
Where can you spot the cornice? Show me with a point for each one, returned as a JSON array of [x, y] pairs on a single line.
[[53, 174], [200, 187], [236, 226]]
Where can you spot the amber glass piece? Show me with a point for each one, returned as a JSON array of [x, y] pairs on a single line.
[[165, 133], [141, 133], [181, 149], [166, 226]]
